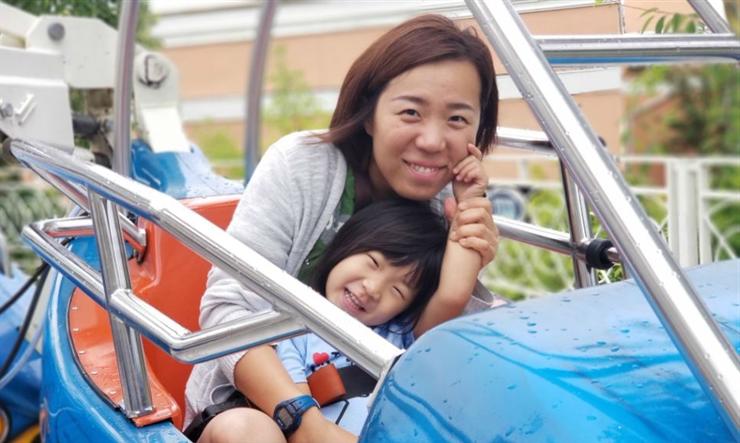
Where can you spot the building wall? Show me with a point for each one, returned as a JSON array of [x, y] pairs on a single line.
[[214, 74]]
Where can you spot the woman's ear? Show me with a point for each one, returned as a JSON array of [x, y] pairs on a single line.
[[369, 127]]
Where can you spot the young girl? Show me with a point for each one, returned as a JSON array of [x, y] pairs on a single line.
[[383, 268]]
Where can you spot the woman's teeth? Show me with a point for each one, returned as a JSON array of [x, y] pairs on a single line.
[[423, 169]]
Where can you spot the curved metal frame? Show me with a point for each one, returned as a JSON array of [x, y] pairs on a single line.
[[709, 354]]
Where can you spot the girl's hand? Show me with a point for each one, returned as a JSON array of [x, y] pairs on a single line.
[[472, 226], [470, 179]]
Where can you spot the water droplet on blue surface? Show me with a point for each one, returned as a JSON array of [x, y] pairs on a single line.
[[590, 417], [511, 387]]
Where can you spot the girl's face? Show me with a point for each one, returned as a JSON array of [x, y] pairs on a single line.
[[370, 288], [422, 124]]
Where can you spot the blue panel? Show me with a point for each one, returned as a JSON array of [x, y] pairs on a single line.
[[179, 174], [584, 366], [73, 411], [20, 397]]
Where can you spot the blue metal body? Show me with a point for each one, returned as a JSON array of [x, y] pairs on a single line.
[[584, 366], [20, 398]]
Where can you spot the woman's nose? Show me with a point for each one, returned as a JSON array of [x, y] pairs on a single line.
[[431, 137]]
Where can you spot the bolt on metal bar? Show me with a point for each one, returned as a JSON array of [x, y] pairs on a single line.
[[580, 228], [710, 356], [711, 16], [126, 342], [610, 49], [254, 88]]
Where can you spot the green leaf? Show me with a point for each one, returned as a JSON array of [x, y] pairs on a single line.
[[659, 25], [647, 23], [649, 11], [676, 21], [691, 27]]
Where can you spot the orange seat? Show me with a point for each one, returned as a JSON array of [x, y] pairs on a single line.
[[171, 278]]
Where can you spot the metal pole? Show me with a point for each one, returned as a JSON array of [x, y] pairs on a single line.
[[638, 49], [122, 92], [254, 89], [126, 342], [710, 356], [580, 228], [711, 16]]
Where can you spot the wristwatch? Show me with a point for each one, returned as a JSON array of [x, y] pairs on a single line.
[[288, 413]]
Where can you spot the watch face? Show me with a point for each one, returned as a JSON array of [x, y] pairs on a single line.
[[284, 416]]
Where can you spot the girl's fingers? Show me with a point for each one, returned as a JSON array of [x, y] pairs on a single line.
[[463, 163], [474, 151]]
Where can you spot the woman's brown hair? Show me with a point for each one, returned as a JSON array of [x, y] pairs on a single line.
[[421, 40]]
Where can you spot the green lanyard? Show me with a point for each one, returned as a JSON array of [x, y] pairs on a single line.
[[342, 213]]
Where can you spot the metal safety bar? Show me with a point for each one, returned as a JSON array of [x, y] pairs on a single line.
[[137, 397], [135, 236], [710, 356], [290, 297], [579, 223], [638, 48], [545, 238]]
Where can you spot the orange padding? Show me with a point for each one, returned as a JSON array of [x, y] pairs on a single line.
[[171, 278]]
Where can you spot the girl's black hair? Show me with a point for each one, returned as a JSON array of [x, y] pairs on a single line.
[[406, 232]]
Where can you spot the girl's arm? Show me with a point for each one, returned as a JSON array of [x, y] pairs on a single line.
[[462, 260]]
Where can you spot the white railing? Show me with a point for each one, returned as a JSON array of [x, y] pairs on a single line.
[[684, 207]]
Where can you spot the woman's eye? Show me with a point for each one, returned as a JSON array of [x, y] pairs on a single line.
[[459, 119], [410, 112]]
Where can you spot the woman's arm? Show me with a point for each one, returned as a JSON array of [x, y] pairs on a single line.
[[261, 376]]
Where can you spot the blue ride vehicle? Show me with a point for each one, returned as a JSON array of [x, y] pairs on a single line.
[[652, 358]]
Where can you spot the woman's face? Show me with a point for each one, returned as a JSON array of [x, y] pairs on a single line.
[[422, 124], [370, 288]]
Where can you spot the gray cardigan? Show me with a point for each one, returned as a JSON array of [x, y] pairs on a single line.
[[288, 203]]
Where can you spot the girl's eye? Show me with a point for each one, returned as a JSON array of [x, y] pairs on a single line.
[[398, 292], [373, 260]]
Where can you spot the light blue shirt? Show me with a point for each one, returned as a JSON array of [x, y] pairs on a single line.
[[297, 357]]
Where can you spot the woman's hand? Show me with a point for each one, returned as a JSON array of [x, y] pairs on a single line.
[[472, 226]]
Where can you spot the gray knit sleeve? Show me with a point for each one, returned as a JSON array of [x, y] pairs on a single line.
[[263, 220]]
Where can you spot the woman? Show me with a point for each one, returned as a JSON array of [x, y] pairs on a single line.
[[408, 109]]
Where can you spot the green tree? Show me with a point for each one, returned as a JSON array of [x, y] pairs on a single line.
[[293, 107]]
